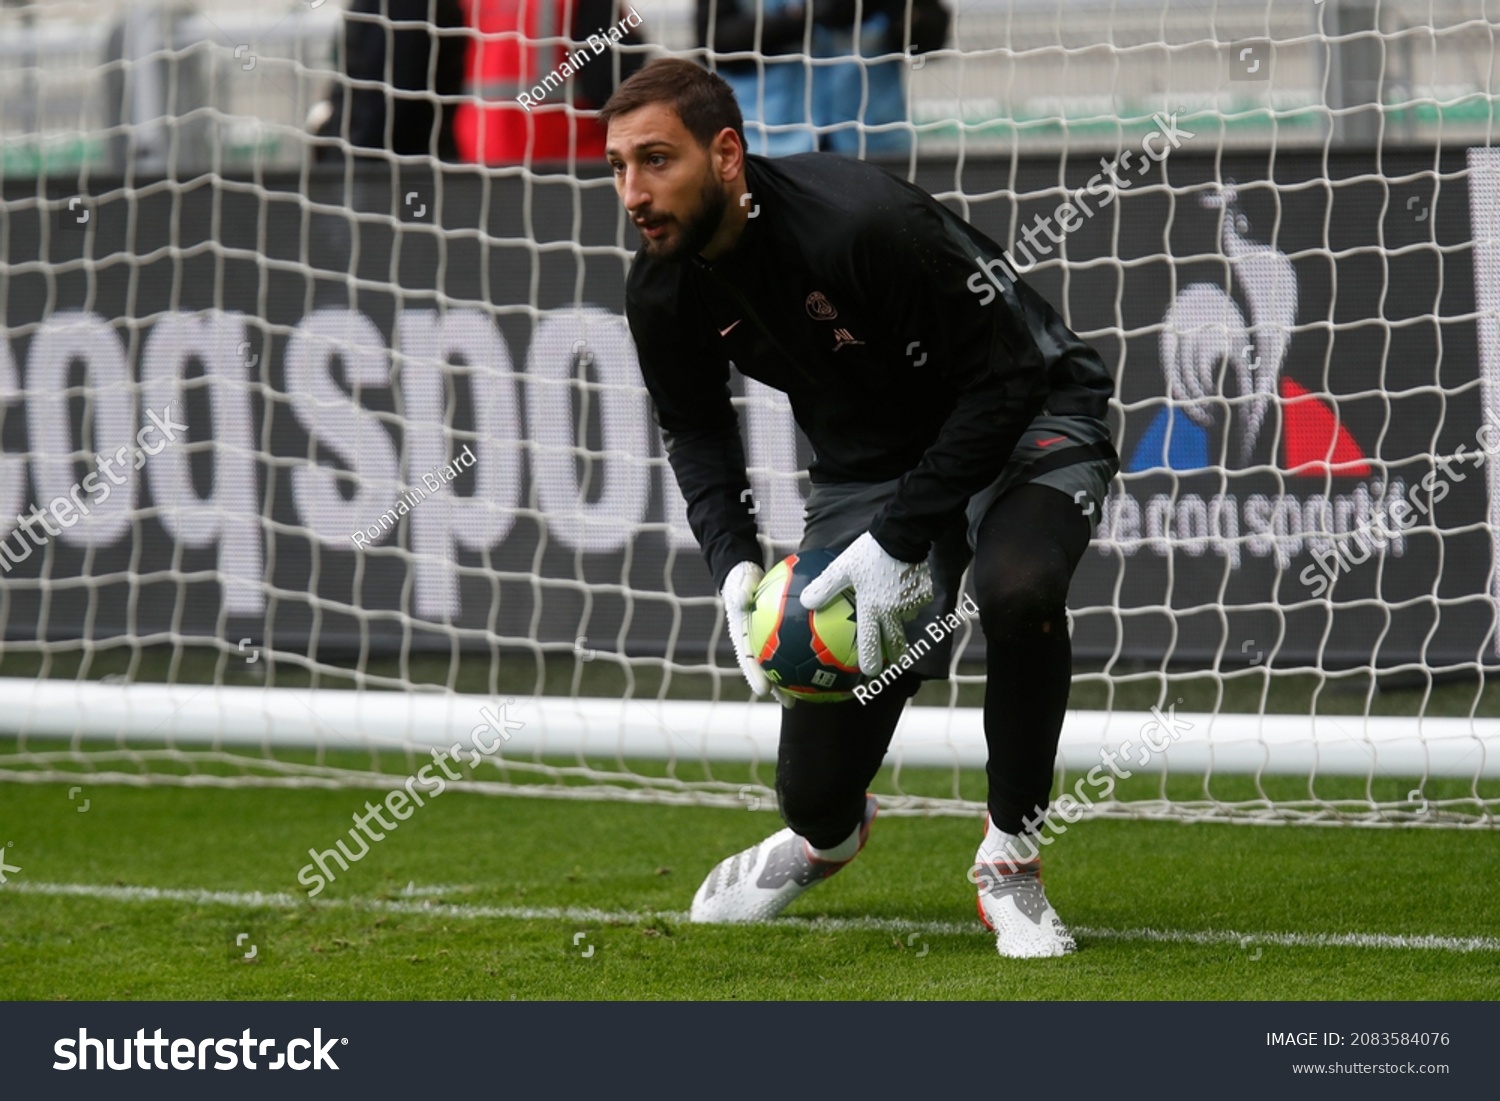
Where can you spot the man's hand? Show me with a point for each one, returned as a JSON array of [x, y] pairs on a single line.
[[887, 593], [738, 596], [739, 602]]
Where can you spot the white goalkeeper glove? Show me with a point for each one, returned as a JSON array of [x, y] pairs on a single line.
[[739, 601], [887, 594]]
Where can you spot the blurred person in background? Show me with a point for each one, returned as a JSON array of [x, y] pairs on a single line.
[[795, 101], [519, 45], [402, 46]]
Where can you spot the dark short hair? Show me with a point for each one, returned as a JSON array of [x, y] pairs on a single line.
[[702, 100]]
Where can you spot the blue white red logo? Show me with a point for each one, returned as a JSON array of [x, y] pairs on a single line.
[[1225, 390]]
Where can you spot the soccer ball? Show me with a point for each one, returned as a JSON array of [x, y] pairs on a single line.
[[813, 656]]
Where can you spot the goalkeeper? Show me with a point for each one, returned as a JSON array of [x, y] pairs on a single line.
[[952, 417]]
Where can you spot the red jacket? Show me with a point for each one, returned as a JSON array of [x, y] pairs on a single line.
[[514, 46]]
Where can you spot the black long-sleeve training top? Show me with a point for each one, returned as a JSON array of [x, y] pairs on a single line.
[[854, 292]]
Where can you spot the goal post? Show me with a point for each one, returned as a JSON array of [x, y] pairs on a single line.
[[584, 748], [319, 473]]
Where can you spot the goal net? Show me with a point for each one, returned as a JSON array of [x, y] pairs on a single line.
[[318, 467]]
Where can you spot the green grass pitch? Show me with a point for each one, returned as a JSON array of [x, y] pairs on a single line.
[[482, 897]]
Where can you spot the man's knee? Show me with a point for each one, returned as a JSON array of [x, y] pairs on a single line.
[[1032, 591], [828, 755], [820, 809], [1028, 547]]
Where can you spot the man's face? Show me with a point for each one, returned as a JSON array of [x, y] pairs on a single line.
[[667, 182]]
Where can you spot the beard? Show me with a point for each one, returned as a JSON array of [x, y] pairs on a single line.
[[696, 229]]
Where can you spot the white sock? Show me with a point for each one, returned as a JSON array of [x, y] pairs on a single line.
[[841, 852], [999, 847]]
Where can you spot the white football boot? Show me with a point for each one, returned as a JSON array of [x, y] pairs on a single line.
[[1012, 902], [759, 883]]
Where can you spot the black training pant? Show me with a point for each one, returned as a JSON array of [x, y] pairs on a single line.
[[1026, 549]]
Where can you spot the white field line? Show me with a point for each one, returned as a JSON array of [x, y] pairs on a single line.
[[577, 915]]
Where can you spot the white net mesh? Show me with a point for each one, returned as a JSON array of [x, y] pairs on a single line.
[[418, 500]]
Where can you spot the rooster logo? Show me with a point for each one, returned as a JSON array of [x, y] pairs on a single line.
[[1206, 340]]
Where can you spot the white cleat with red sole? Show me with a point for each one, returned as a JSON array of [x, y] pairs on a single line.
[[1012, 902], [762, 881]]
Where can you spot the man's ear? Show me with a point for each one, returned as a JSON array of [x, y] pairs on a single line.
[[727, 153]]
